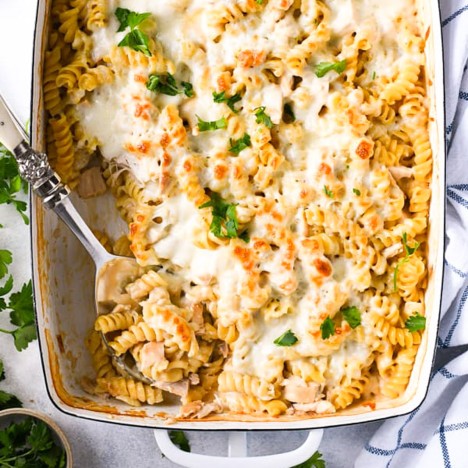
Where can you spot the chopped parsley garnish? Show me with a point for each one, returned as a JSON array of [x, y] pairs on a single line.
[[129, 19], [322, 68], [30, 442], [357, 192], [288, 114], [352, 315], [135, 38], [374, 75], [408, 252], [179, 438], [11, 183], [286, 339], [224, 223], [167, 84], [262, 117], [327, 328], [163, 84], [188, 88], [415, 323], [213, 125], [239, 145], [315, 461], [230, 101], [327, 191], [260, 2]]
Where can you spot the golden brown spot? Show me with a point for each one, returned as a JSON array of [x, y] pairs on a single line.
[[165, 140], [220, 171], [364, 150], [250, 58], [323, 266], [133, 229], [60, 343], [144, 147], [188, 166], [140, 78], [370, 404], [325, 169], [140, 218]]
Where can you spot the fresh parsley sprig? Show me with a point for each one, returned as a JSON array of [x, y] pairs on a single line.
[[286, 339], [135, 38], [20, 307], [263, 117], [239, 145], [7, 400], [30, 443], [209, 126], [408, 252], [224, 223], [11, 183], [327, 191], [167, 84], [322, 68], [315, 461], [230, 101], [180, 439]]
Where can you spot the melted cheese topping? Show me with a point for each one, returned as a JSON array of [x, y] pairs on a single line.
[[315, 195]]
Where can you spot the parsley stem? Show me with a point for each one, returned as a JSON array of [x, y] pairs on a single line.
[[6, 331], [2, 462]]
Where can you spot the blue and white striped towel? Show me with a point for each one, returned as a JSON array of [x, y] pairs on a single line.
[[436, 434]]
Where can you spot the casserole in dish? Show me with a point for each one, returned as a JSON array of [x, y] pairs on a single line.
[[62, 278]]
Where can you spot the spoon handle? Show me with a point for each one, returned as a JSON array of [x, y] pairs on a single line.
[[35, 169]]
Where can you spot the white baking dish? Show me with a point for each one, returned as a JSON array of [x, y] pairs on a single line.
[[63, 285]]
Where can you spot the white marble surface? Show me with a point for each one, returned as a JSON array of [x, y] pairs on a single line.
[[97, 444]]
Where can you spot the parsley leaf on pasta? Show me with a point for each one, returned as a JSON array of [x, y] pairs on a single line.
[[163, 84], [239, 145], [327, 191], [357, 192], [207, 126], [322, 68], [135, 38], [327, 328], [286, 339], [263, 117], [179, 438], [167, 84], [352, 315], [224, 224], [315, 461], [188, 88], [129, 19], [415, 323], [230, 101], [408, 252]]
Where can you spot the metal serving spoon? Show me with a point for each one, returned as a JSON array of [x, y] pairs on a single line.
[[45, 183]]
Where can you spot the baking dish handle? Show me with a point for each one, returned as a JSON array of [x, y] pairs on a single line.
[[237, 453]]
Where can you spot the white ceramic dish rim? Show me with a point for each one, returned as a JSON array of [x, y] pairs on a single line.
[[437, 231]]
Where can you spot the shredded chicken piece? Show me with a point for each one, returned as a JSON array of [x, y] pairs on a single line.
[[401, 172], [199, 409], [91, 183], [152, 354], [296, 390], [194, 379], [319, 407], [197, 322], [393, 250], [179, 388]]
